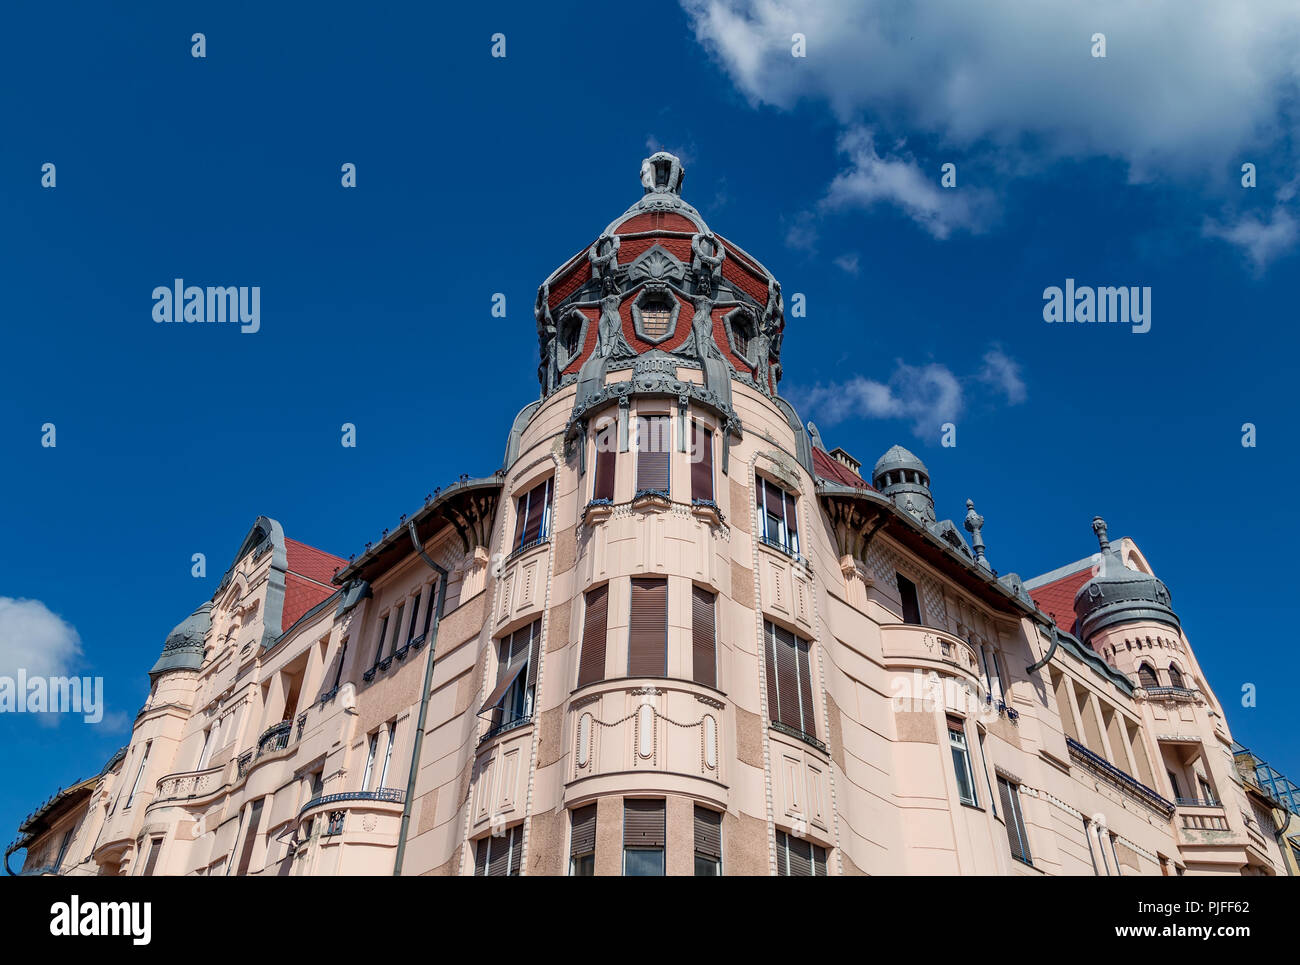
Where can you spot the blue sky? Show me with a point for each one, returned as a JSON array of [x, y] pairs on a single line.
[[479, 175]]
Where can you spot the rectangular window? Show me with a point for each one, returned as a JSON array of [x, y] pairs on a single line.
[[796, 858], [250, 837], [370, 762], [701, 463], [961, 761], [512, 698], [63, 847], [582, 842], [708, 843], [1016, 836], [1207, 793], [498, 856], [911, 602], [1173, 780], [206, 751], [144, 760], [606, 438], [388, 754], [704, 637], [778, 521], [789, 681], [383, 634], [428, 608], [643, 838], [415, 618], [338, 671], [533, 522], [653, 450], [397, 629], [647, 642], [151, 863], [591, 665]]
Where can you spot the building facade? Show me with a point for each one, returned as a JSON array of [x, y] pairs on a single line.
[[672, 634]]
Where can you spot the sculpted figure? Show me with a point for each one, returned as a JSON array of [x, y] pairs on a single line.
[[706, 265], [547, 371]]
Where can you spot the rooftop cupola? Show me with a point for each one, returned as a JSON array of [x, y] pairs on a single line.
[[901, 476], [183, 649], [1118, 593]]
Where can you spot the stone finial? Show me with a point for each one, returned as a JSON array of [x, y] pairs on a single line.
[[974, 524], [1099, 527], [662, 172]]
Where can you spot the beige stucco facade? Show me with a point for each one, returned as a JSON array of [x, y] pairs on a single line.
[[971, 735]]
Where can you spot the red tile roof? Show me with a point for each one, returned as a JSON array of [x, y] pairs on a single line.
[[833, 470], [1056, 599], [308, 579]]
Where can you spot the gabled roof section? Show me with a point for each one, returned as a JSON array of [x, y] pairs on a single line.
[[307, 581], [831, 469]]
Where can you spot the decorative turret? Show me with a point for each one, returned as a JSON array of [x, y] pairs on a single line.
[[901, 476], [656, 292], [1119, 594], [184, 647], [975, 526]]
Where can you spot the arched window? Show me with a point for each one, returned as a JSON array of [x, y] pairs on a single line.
[[1147, 676], [1176, 677]]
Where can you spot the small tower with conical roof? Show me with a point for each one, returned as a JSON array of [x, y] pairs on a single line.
[[901, 476]]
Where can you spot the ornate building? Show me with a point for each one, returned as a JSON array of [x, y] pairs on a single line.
[[672, 634]]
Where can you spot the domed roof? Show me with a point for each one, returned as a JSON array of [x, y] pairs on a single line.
[[1119, 594], [898, 458], [184, 647]]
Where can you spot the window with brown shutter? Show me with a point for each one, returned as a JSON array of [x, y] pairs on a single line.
[[606, 452], [653, 450], [643, 838], [1015, 820], [647, 644], [797, 858], [591, 664], [704, 646], [701, 463], [582, 842], [778, 522], [789, 681], [708, 842], [250, 837], [512, 699], [533, 522], [1147, 677], [500, 856]]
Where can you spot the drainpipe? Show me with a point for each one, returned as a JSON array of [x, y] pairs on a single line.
[[431, 644], [1035, 667]]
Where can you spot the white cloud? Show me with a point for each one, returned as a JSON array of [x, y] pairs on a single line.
[[35, 639], [1002, 373], [847, 262], [1262, 239], [894, 179], [1186, 92], [926, 395]]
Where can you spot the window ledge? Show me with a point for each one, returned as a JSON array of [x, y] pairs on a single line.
[[798, 735]]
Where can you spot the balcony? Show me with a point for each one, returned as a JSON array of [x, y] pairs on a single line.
[[190, 785], [497, 730], [375, 819], [388, 795], [1125, 782], [907, 646], [274, 739]]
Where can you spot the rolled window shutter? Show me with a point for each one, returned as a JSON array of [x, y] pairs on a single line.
[[808, 725], [704, 657], [653, 452], [708, 832], [516, 848], [1014, 820], [603, 486], [775, 504], [480, 857], [773, 693], [643, 824], [533, 634], [499, 856], [782, 854], [591, 664], [787, 678], [647, 654], [800, 858], [584, 831], [791, 517], [819, 861], [702, 464]]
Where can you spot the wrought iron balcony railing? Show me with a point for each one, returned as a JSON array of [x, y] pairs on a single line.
[[275, 738], [392, 795], [1198, 802], [1126, 782], [507, 725]]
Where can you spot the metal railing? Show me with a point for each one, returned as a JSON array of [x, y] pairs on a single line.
[[797, 734], [505, 726], [1198, 802], [392, 795], [275, 738], [1122, 779]]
